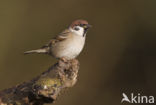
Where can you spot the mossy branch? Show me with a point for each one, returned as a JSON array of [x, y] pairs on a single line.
[[44, 88]]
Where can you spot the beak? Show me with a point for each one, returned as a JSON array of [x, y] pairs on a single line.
[[87, 26]]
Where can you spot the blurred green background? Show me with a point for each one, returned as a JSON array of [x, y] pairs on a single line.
[[119, 55]]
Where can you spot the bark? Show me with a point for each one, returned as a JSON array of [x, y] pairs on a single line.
[[44, 88]]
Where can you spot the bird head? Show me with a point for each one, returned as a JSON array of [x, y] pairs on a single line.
[[80, 27]]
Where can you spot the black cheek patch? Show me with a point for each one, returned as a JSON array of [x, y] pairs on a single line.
[[76, 29]]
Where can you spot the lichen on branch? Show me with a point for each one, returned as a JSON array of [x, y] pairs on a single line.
[[44, 88]]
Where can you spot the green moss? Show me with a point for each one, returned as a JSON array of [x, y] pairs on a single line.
[[48, 82], [18, 103]]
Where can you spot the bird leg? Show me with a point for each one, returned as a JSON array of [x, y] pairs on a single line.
[[64, 59]]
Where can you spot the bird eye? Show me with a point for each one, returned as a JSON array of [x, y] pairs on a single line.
[[81, 25], [76, 28]]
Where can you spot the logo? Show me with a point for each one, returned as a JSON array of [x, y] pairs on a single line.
[[137, 98]]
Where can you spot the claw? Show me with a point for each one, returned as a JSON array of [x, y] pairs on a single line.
[[64, 59]]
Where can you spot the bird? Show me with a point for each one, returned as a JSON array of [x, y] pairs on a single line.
[[125, 98], [68, 44]]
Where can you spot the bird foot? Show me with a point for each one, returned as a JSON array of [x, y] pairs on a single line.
[[64, 59]]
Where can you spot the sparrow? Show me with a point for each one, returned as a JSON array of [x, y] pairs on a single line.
[[68, 44]]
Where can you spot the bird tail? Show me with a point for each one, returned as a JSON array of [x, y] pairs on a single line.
[[39, 51]]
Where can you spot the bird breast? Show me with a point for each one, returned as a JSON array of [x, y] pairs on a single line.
[[69, 48]]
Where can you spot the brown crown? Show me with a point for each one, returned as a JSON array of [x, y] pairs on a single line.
[[78, 22]]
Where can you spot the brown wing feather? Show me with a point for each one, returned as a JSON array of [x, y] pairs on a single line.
[[62, 36]]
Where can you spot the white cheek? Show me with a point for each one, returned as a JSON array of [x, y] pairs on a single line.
[[79, 32]]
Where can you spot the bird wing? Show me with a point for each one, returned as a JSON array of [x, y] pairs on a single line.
[[46, 47], [62, 36]]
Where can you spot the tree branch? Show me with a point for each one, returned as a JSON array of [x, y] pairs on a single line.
[[44, 88]]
